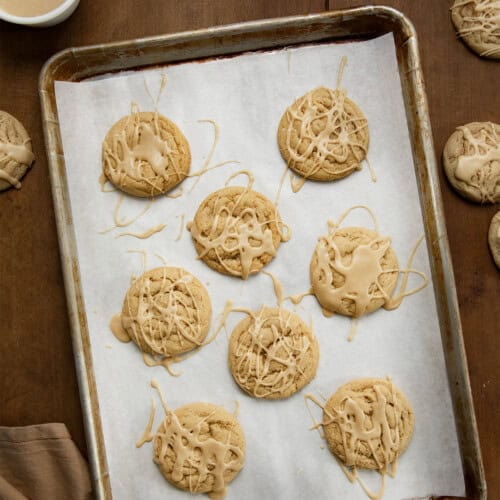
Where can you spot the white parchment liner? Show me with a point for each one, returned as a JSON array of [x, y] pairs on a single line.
[[246, 96]]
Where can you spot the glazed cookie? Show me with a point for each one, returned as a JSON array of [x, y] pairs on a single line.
[[166, 311], [494, 238], [323, 135], [353, 271], [236, 231], [478, 24], [145, 154], [200, 448], [273, 353], [16, 155], [368, 423], [472, 161]]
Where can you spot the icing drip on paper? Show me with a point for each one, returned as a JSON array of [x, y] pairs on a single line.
[[242, 234], [122, 221], [206, 165], [181, 228], [484, 21], [361, 275], [370, 418], [146, 234], [194, 453], [147, 435], [271, 342], [479, 167], [116, 327]]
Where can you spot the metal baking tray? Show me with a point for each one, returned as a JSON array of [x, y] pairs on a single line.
[[76, 64]]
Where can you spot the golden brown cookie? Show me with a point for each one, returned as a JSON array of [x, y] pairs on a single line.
[[200, 448], [368, 423], [273, 353], [145, 154], [494, 238], [167, 311], [236, 231], [16, 155], [472, 161], [353, 271], [323, 135], [478, 24]]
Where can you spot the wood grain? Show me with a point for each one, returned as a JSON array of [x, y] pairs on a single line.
[[37, 377]]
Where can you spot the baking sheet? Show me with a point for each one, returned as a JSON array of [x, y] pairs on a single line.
[[246, 97]]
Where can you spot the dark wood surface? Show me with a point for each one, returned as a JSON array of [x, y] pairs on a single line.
[[37, 377]]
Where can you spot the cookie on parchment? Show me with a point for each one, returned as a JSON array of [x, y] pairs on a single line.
[[236, 231], [16, 155], [273, 353], [167, 312], [145, 154], [478, 24], [323, 135], [368, 423], [200, 448], [472, 161], [353, 271], [494, 238]]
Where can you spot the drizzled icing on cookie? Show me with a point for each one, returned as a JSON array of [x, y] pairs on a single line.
[[369, 422], [139, 152], [166, 311], [271, 354], [241, 234], [325, 127], [189, 451], [479, 167], [361, 276], [484, 21]]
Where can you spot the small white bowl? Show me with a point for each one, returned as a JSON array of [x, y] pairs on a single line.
[[55, 16]]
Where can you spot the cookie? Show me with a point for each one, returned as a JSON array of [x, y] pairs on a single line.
[[16, 155], [236, 231], [167, 311], [478, 24], [368, 423], [200, 448], [323, 135], [273, 353], [494, 238], [353, 271], [472, 161], [145, 154]]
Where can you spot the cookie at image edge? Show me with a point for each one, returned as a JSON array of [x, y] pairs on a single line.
[[145, 154], [16, 154], [285, 349], [476, 22], [471, 159], [213, 450], [494, 238], [167, 311], [365, 396]]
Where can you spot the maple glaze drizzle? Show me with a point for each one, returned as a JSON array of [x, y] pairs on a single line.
[[479, 167], [239, 231]]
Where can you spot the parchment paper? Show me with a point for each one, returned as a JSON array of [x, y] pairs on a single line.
[[246, 96]]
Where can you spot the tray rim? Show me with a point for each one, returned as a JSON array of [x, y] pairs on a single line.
[[425, 171]]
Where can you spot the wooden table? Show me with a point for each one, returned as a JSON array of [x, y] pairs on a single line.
[[37, 376]]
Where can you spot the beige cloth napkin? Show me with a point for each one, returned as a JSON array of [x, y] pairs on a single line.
[[41, 462]]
